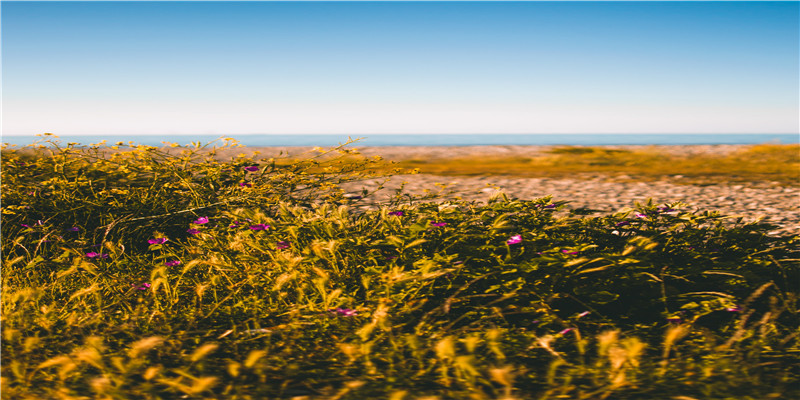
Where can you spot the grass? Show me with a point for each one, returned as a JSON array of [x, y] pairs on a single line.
[[766, 162], [153, 275]]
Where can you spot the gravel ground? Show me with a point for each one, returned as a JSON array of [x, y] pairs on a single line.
[[773, 204]]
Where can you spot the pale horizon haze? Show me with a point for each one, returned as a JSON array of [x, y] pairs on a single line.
[[167, 68]]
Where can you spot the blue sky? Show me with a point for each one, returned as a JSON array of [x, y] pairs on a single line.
[[400, 67]]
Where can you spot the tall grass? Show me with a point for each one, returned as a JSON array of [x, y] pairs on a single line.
[[145, 275]]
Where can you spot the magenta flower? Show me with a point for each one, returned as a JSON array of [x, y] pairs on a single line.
[[143, 286], [252, 168], [438, 223], [93, 254], [282, 245], [193, 231], [565, 251], [397, 213], [73, 229], [550, 206], [514, 239], [623, 223], [25, 225], [158, 241], [172, 263], [640, 215], [259, 227], [245, 184], [344, 312], [565, 331], [733, 309], [200, 221]]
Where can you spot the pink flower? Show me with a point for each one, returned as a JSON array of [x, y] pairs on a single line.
[[201, 220], [172, 263], [245, 184], [282, 245], [192, 231], [252, 168], [73, 229], [583, 314], [344, 312], [158, 241], [143, 286], [259, 227], [514, 239], [438, 224], [733, 309], [93, 254], [565, 331], [565, 251], [397, 213]]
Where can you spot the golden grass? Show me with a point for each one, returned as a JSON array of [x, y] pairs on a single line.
[[767, 162]]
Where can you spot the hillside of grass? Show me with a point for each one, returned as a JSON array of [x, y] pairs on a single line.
[[147, 275], [766, 162]]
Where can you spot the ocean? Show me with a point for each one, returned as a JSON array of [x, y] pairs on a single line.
[[430, 139]]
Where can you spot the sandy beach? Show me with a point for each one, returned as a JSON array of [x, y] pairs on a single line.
[[767, 201]]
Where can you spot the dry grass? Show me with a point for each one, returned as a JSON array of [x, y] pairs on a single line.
[[768, 162]]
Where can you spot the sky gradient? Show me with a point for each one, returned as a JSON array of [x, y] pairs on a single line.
[[400, 67]]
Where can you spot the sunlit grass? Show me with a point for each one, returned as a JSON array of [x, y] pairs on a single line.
[[768, 162], [148, 275]]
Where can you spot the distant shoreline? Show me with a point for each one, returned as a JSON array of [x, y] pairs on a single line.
[[439, 140]]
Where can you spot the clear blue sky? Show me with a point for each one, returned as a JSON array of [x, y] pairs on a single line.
[[400, 67]]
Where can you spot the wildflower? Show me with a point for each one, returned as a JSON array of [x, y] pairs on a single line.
[[282, 245], [640, 215], [259, 227], [583, 314], [200, 221], [344, 312], [93, 254], [192, 231], [245, 184], [73, 229], [514, 239], [438, 223], [550, 206], [397, 213], [565, 331], [565, 251], [733, 309], [158, 241], [252, 168], [143, 286], [172, 263], [25, 225], [623, 223]]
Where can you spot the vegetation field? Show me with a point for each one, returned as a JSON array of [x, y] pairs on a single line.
[[765, 162], [143, 274]]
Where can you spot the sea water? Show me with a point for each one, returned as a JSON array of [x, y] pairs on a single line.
[[325, 140]]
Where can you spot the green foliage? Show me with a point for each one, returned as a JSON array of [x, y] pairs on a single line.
[[282, 289]]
